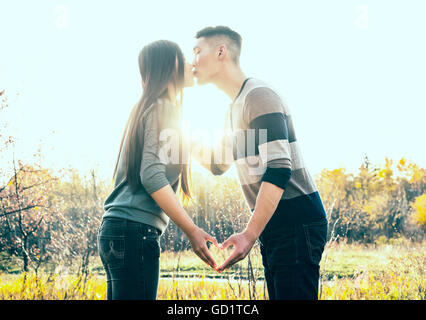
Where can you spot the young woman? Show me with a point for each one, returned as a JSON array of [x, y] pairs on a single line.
[[144, 196]]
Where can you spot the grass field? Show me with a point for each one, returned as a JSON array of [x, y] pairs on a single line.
[[389, 271]]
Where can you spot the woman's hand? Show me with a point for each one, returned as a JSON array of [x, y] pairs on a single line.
[[199, 239], [169, 203]]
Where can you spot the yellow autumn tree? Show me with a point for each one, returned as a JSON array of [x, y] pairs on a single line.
[[419, 207], [375, 202], [333, 186]]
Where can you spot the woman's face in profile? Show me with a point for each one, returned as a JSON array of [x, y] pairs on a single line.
[[189, 76]]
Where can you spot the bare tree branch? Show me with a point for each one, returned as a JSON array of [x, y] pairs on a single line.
[[19, 210]]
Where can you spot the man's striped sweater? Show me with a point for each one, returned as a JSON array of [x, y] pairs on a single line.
[[263, 146]]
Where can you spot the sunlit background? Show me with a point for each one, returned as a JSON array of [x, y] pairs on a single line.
[[352, 72]]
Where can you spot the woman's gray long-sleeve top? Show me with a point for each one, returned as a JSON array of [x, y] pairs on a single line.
[[158, 168]]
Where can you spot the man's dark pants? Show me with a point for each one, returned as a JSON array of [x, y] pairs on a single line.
[[291, 254]]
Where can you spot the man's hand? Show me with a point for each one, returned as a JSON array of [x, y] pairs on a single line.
[[199, 239], [266, 203], [242, 243]]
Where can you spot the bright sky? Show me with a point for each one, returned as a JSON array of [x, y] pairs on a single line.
[[352, 72]]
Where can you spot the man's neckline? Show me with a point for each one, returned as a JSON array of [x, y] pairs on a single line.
[[241, 89]]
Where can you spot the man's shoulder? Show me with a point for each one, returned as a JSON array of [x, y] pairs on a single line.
[[261, 99], [260, 92], [262, 95]]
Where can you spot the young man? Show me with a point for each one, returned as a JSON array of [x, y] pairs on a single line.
[[288, 217]]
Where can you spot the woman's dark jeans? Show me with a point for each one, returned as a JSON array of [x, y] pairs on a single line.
[[291, 255], [130, 253]]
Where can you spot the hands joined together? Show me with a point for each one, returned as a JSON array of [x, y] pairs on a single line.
[[242, 243]]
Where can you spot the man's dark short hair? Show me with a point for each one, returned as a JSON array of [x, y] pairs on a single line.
[[234, 39]]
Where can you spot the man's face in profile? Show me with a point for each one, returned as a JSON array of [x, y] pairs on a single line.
[[206, 63]]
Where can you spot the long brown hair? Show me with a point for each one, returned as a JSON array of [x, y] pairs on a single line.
[[160, 63]]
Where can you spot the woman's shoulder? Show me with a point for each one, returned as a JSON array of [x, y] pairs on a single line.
[[163, 113], [160, 107], [167, 105], [167, 110]]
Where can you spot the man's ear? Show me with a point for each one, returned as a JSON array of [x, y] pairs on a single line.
[[221, 52]]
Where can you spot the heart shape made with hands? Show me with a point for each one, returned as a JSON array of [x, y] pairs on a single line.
[[221, 252]]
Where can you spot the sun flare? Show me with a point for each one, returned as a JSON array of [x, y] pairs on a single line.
[[204, 113]]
